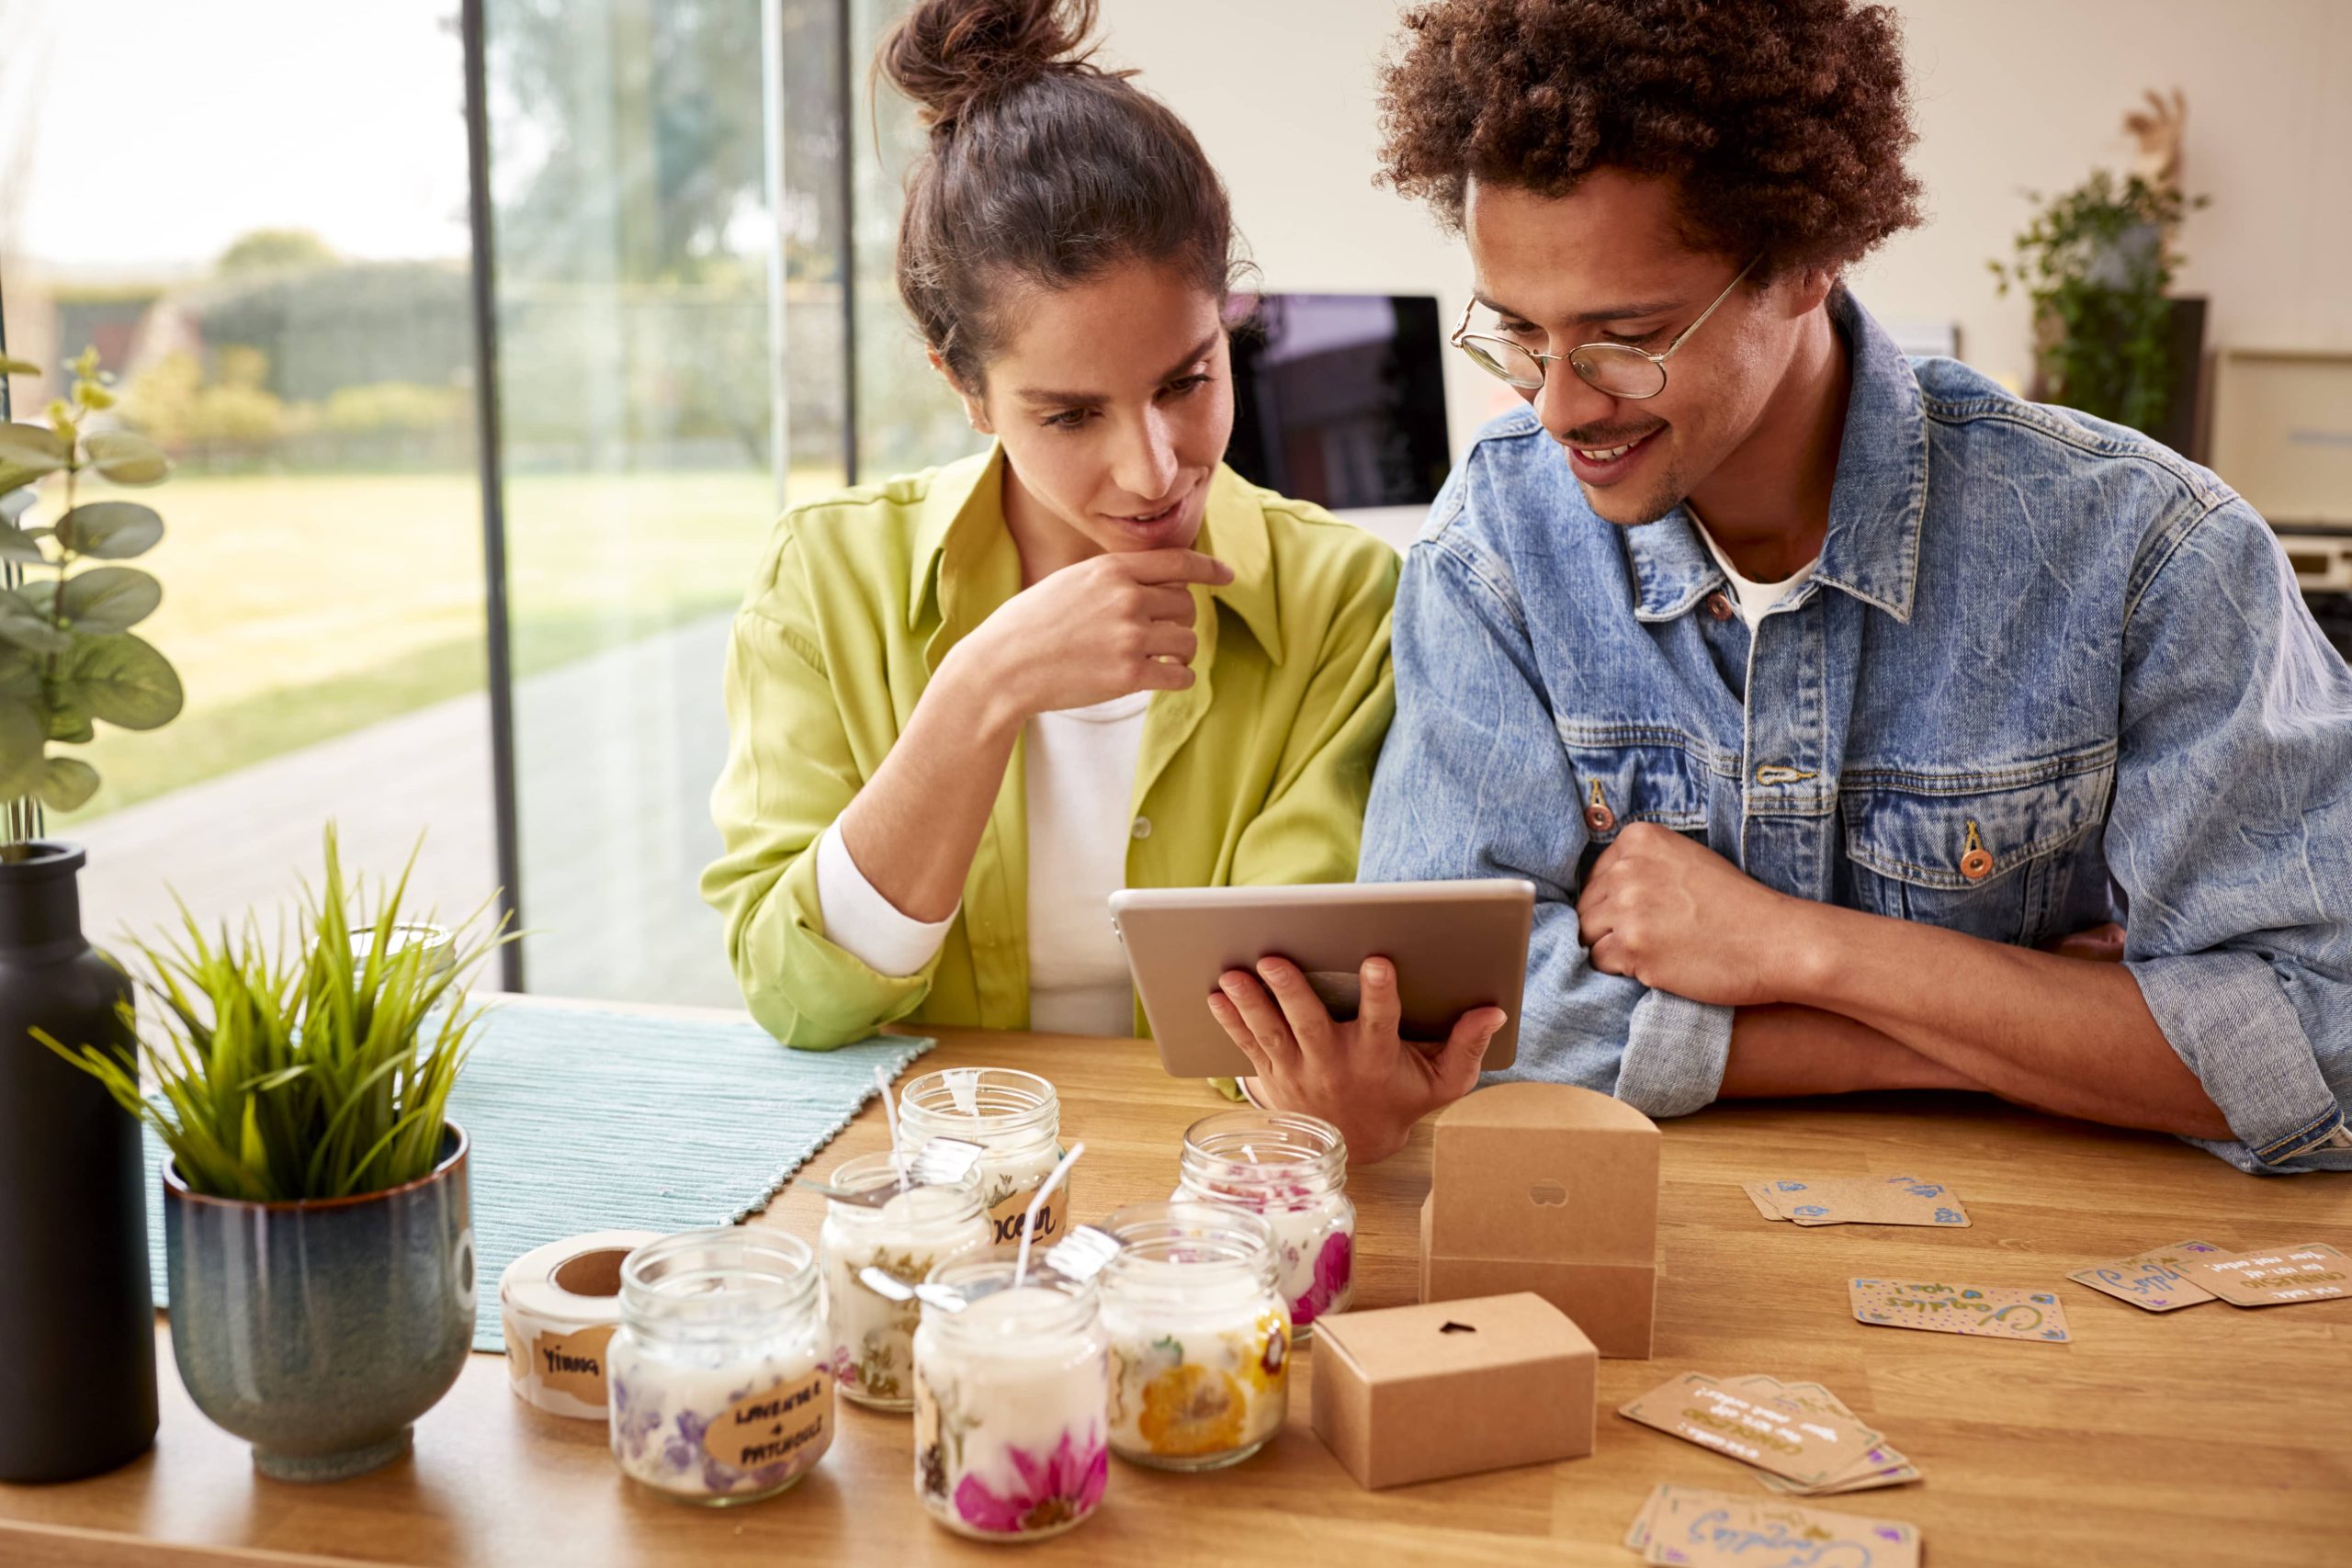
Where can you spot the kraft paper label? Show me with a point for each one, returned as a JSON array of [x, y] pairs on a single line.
[[787, 1423], [572, 1363], [1052, 1219]]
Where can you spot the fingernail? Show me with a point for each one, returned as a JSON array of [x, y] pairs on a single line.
[[1377, 970]]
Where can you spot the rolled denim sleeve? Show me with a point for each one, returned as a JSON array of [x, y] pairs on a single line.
[[2231, 837], [1473, 782]]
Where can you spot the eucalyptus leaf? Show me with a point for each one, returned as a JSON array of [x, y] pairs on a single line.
[[123, 458], [15, 504], [68, 720], [29, 452], [25, 625], [22, 758], [123, 680], [18, 546], [111, 598], [67, 783], [110, 530], [19, 674]]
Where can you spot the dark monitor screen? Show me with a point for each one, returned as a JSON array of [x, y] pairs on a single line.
[[1340, 398]]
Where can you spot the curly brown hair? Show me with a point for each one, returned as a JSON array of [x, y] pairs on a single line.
[[1784, 122]]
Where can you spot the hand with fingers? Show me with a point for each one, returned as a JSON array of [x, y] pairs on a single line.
[[1111, 625], [1362, 1076]]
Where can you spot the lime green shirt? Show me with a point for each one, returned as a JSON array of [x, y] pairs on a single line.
[[1258, 773]]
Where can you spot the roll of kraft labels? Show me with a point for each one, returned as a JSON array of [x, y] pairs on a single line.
[[559, 1304]]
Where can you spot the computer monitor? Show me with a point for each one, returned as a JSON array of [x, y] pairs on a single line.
[[1340, 398]]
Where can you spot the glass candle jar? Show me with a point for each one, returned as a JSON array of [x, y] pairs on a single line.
[[1290, 1170], [720, 1392], [1200, 1334], [873, 1335], [1009, 1400], [1016, 1119]]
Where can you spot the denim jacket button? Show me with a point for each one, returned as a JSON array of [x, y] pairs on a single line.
[[1599, 818], [1976, 865], [1719, 606]]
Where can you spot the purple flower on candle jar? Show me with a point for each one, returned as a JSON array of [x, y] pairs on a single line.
[[633, 1422], [1332, 1267], [683, 1451], [1062, 1487]]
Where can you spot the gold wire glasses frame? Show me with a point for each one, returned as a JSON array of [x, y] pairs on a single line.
[[1617, 369]]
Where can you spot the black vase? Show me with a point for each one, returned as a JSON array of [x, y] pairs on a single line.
[[77, 1318]]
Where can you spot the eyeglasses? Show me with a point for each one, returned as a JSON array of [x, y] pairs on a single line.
[[1617, 369]]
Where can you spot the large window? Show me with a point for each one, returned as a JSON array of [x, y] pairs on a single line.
[[663, 228], [280, 277]]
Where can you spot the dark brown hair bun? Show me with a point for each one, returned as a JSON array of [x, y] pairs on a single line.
[[949, 54], [1044, 171]]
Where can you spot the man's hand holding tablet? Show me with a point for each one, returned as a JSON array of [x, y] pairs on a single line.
[[1361, 1075]]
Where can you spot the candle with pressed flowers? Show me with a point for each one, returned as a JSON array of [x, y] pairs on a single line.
[[719, 1390], [1009, 1398], [1291, 1170], [1014, 1117], [1200, 1336], [906, 1237]]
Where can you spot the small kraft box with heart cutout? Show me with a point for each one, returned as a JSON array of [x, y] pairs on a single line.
[[1418, 1393], [1551, 1189]]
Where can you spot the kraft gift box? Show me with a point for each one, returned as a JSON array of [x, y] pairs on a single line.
[[1550, 1188], [1419, 1393]]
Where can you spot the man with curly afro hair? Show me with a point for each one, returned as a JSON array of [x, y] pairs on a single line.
[[1861, 725]]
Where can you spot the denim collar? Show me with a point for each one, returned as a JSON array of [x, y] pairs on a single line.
[[1876, 503]]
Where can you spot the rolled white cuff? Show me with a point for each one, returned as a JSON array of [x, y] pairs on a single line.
[[864, 924]]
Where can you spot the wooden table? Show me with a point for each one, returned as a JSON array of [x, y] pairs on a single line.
[[2201, 1436]]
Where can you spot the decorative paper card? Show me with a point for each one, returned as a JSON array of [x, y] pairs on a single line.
[[1868, 1201], [2311, 1272], [1882, 1465], [1758, 1194], [1941, 1308], [1692, 1528], [2152, 1280], [1803, 1446]]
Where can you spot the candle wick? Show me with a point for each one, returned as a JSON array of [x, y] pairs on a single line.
[[1036, 1202], [890, 1117]]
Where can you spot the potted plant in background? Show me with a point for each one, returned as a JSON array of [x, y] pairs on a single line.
[[318, 1237], [2098, 264], [77, 1329]]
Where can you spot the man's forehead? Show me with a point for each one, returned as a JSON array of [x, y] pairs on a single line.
[[1611, 247]]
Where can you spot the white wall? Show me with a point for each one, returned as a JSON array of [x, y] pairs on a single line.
[[2011, 96]]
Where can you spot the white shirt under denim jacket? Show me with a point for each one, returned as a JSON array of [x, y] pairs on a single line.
[[2028, 631]]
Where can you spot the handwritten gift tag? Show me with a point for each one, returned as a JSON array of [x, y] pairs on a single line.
[[1694, 1528], [2152, 1280], [1808, 1446], [2278, 1276], [1941, 1308], [1879, 1465], [1865, 1200], [788, 1423]]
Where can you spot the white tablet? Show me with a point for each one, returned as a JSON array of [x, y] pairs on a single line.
[[1456, 945]]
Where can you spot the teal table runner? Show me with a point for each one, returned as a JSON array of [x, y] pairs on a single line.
[[588, 1119]]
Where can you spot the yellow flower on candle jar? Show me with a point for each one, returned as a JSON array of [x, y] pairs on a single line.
[[1267, 1363], [1192, 1409]]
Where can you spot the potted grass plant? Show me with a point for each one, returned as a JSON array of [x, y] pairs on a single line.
[[318, 1238], [77, 1327]]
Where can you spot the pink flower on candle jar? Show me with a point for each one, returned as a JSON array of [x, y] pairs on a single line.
[[1332, 1270], [1064, 1485]]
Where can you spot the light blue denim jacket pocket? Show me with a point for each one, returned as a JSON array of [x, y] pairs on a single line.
[[2046, 674]]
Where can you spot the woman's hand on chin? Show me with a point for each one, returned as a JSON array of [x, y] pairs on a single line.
[[1110, 626], [1361, 1075]]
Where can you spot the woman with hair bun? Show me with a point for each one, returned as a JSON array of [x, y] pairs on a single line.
[[967, 704]]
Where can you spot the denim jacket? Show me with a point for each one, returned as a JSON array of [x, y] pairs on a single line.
[[2030, 632]]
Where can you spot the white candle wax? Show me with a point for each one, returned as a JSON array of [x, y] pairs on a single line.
[[1198, 1382], [1009, 1398], [672, 1410], [872, 1335]]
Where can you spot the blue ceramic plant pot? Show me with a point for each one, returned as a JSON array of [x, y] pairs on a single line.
[[319, 1331]]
